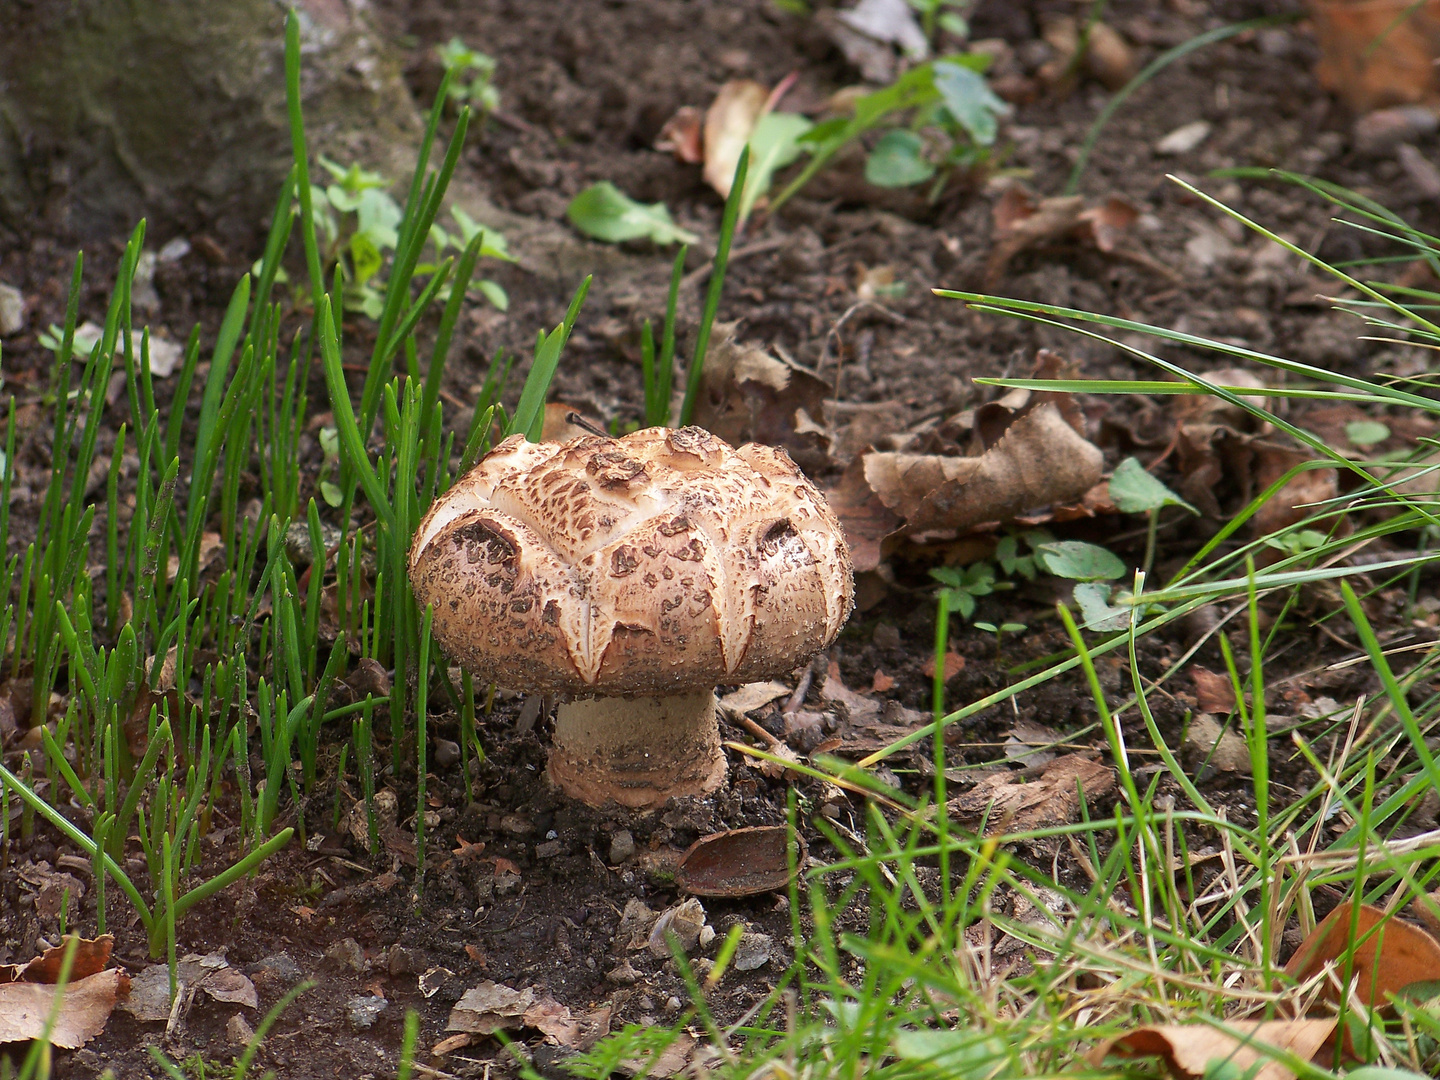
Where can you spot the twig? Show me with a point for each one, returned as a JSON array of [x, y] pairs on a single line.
[[700, 275], [834, 334]]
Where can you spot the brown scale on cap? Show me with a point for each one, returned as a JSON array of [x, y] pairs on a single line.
[[657, 564]]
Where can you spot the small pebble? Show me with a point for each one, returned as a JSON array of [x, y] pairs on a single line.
[[622, 847], [346, 953], [401, 961], [1185, 138], [1381, 131], [12, 311], [362, 1012], [548, 850], [752, 951], [447, 753], [278, 972], [238, 1029]]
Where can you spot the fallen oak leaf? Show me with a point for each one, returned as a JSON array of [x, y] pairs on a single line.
[[30, 996], [1022, 221], [1389, 953], [1015, 803], [729, 121], [1040, 460], [1196, 1050]]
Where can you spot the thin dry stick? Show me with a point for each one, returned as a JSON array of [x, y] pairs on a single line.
[[834, 335]]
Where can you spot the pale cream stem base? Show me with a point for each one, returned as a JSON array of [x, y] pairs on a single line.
[[637, 752]]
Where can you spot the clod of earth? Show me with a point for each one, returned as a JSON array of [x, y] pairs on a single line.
[[638, 572]]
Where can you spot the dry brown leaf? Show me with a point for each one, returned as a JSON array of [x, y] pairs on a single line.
[[1378, 53], [682, 136], [1384, 963], [28, 994], [1040, 460], [731, 118], [667, 1063], [882, 683], [954, 664], [1022, 221], [490, 1007], [84, 1007], [1016, 804], [1213, 693], [1193, 1050], [739, 862], [866, 519], [747, 395]]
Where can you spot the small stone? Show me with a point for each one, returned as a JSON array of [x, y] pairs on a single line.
[[12, 311], [447, 753], [647, 1002], [516, 824], [886, 636], [362, 1012], [278, 972], [1421, 170], [238, 1030], [549, 849], [622, 847], [401, 961], [1381, 131], [672, 1004], [1209, 748], [623, 975], [346, 953], [1184, 138], [752, 951]]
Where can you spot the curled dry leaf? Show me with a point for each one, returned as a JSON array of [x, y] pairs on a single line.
[[1022, 221], [1214, 693], [1017, 804], [149, 999], [1040, 460], [739, 862], [1195, 1050], [1378, 53], [28, 995], [492, 1007], [1226, 457], [729, 121], [1387, 958], [747, 395], [683, 136]]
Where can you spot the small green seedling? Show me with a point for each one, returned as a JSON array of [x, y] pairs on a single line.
[[999, 632], [1135, 491], [471, 75], [964, 584], [604, 212], [947, 15], [953, 121]]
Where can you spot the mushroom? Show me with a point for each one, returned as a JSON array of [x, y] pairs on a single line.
[[631, 576]]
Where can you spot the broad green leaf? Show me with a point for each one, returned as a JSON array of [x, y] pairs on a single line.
[[494, 293], [378, 216], [331, 493], [1096, 611], [955, 1054], [969, 99], [606, 213], [1135, 491], [898, 160], [1080, 561], [774, 143], [494, 246], [366, 257], [1366, 433]]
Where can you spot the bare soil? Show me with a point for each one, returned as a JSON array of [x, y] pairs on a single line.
[[586, 87]]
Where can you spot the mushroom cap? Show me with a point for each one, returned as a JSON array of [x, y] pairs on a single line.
[[657, 563]]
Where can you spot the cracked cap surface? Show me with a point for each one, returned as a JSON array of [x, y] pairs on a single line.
[[660, 562]]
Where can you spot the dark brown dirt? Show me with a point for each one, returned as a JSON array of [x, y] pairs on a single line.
[[586, 87]]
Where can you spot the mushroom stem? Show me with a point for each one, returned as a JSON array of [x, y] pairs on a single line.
[[637, 752]]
